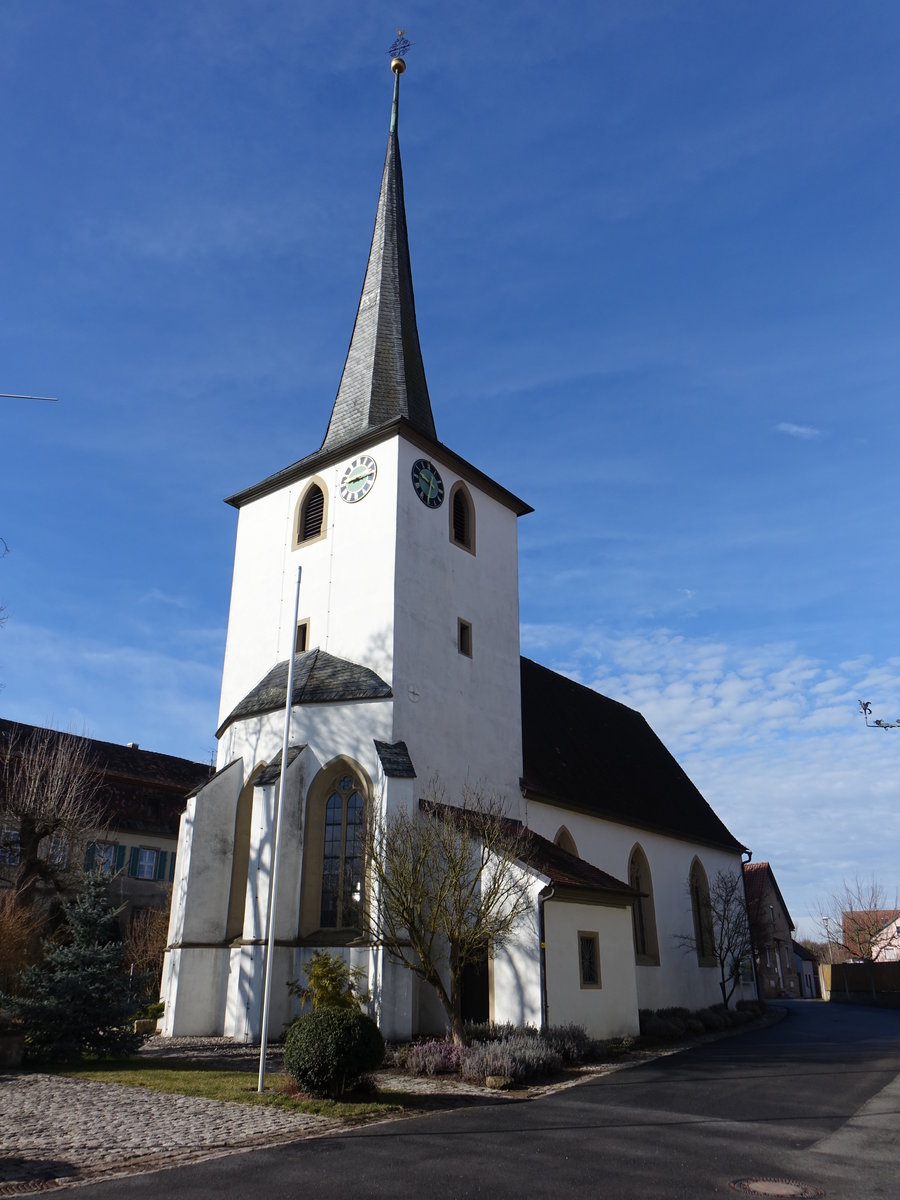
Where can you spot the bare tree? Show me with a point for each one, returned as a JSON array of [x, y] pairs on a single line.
[[725, 930], [447, 889], [853, 917], [48, 806]]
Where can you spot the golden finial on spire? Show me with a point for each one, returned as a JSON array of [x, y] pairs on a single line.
[[398, 52]]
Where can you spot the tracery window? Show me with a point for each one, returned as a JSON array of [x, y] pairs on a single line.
[[702, 913], [643, 913], [342, 858]]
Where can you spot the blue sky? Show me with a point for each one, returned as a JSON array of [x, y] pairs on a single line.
[[655, 249]]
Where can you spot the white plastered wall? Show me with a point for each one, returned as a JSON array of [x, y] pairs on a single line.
[[679, 979], [610, 1010], [460, 716], [347, 589], [196, 963]]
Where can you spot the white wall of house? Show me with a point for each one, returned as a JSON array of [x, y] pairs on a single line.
[[610, 1010]]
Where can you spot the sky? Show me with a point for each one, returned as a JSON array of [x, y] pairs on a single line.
[[655, 248]]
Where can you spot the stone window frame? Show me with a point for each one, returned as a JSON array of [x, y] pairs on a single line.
[[643, 911], [565, 841], [592, 937], [297, 542], [310, 930], [464, 638], [701, 912]]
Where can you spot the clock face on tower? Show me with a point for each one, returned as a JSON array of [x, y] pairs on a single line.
[[428, 483], [357, 480]]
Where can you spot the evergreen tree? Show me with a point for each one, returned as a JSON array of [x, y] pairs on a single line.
[[78, 999]]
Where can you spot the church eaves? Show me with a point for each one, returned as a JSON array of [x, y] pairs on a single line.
[[384, 376]]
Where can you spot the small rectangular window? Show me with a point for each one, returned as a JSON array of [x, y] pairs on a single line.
[[464, 637], [301, 645], [589, 959], [146, 864]]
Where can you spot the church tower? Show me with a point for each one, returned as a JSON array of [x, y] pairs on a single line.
[[406, 665]]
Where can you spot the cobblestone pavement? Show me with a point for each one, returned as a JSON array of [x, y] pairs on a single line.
[[56, 1131]]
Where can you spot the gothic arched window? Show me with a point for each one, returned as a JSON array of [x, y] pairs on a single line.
[[342, 856], [643, 913], [701, 910]]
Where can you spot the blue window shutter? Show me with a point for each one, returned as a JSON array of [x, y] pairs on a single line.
[[133, 861], [120, 857], [89, 856], [172, 867], [161, 865]]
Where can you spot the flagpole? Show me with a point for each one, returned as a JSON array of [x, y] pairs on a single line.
[[273, 884]]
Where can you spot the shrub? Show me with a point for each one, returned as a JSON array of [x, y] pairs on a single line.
[[328, 1049], [756, 1008], [332, 983], [433, 1058], [78, 999], [662, 1029], [712, 1019], [489, 1031], [520, 1056], [19, 937], [571, 1042]]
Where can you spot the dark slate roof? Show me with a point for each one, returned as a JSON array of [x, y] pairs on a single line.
[[141, 790], [319, 678], [584, 751], [561, 868], [384, 376], [395, 760], [272, 773]]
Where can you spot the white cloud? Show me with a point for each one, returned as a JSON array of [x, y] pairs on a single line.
[[771, 737], [806, 433]]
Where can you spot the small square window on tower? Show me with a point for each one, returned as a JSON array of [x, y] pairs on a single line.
[[301, 643], [464, 637]]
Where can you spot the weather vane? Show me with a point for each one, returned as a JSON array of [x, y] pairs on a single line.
[[400, 46], [865, 708]]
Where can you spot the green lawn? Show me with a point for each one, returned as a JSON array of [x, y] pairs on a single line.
[[187, 1078]]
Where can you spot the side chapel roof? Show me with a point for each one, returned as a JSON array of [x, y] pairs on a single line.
[[582, 750], [559, 866], [319, 678]]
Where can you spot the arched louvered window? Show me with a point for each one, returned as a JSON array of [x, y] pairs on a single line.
[[312, 514], [462, 517], [342, 859]]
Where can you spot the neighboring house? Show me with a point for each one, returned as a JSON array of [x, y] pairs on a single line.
[[141, 797], [406, 670], [807, 967], [770, 929], [871, 934]]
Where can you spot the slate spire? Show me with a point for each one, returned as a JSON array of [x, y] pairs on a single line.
[[384, 377]]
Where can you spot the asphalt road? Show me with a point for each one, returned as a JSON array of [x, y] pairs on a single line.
[[814, 1099]]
